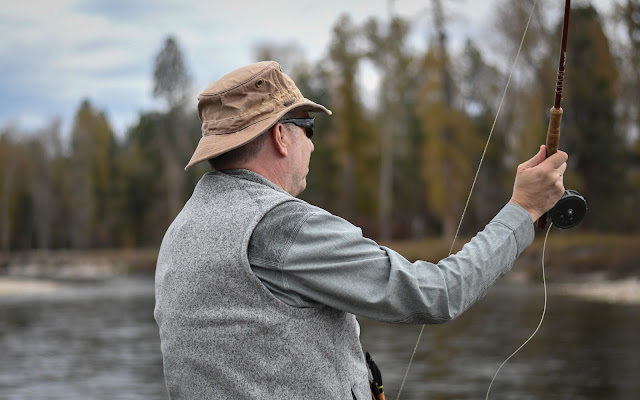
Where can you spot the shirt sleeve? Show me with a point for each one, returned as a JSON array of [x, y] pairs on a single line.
[[327, 261]]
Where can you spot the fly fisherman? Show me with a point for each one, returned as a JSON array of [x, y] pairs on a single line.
[[257, 291]]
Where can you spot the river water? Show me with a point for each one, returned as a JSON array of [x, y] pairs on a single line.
[[99, 341]]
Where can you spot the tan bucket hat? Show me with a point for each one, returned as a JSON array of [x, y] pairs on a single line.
[[244, 103]]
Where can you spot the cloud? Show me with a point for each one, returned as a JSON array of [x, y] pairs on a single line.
[[54, 53], [117, 10]]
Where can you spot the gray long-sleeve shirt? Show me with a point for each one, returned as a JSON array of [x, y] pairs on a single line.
[[308, 257]]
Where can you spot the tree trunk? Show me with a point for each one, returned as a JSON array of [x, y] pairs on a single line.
[[5, 195]]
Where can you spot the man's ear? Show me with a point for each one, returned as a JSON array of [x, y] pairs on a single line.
[[280, 139]]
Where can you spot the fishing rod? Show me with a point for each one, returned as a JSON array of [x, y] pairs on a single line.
[[569, 210], [572, 207]]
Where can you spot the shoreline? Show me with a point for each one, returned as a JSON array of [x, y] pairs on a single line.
[[623, 292], [14, 286], [619, 292], [597, 267]]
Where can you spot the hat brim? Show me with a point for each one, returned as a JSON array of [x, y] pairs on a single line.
[[211, 146]]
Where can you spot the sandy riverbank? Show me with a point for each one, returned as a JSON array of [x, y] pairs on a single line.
[[590, 266], [625, 291], [20, 286], [616, 292]]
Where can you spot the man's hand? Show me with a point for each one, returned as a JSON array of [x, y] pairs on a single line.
[[539, 185]]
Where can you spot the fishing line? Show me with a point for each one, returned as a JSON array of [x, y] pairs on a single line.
[[544, 310], [513, 67]]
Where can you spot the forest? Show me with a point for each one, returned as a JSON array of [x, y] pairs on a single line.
[[400, 164]]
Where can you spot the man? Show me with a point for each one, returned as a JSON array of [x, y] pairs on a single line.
[[256, 290]]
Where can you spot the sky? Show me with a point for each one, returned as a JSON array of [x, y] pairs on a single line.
[[55, 53]]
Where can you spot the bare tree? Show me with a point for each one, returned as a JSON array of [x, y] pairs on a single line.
[[170, 75], [8, 166], [172, 83]]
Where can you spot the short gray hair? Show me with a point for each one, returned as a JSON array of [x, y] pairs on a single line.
[[240, 155], [246, 152]]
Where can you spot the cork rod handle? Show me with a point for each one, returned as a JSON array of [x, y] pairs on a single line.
[[553, 133], [553, 138]]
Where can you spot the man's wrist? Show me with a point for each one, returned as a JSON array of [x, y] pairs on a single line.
[[535, 215]]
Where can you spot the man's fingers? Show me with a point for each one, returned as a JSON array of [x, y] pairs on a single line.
[[562, 168], [554, 161], [557, 159], [535, 160], [539, 182]]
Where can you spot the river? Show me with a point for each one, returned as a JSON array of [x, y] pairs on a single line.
[[98, 340]]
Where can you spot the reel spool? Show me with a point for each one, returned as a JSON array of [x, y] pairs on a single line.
[[569, 210]]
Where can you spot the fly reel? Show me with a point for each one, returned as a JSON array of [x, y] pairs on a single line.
[[569, 210]]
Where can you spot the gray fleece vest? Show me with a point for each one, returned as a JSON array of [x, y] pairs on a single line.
[[223, 334]]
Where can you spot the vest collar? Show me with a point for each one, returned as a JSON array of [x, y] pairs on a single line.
[[250, 176]]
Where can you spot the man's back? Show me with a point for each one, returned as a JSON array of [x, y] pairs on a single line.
[[223, 333]]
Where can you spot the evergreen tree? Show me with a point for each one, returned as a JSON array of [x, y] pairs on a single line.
[[143, 207], [524, 117], [451, 146], [8, 170], [354, 138], [46, 148], [595, 142], [91, 172], [481, 88], [400, 189], [629, 13], [322, 185]]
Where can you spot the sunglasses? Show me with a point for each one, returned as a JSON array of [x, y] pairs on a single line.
[[306, 123]]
